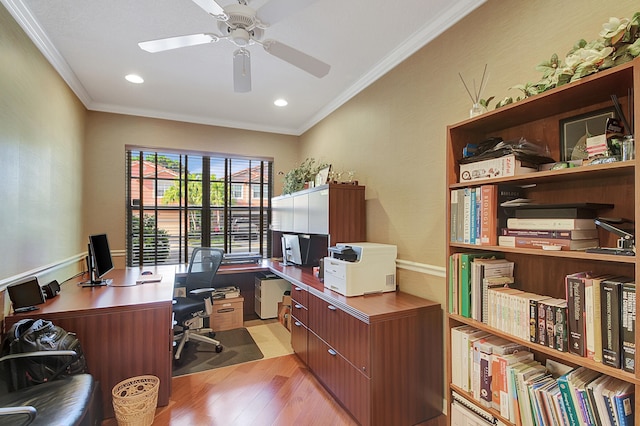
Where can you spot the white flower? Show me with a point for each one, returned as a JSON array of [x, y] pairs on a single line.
[[614, 29]]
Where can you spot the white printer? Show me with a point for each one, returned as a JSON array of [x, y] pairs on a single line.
[[354, 269]]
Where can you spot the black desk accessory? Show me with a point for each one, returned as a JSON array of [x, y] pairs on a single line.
[[25, 295], [52, 289], [626, 245]]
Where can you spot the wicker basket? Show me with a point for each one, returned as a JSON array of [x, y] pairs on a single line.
[[135, 400]]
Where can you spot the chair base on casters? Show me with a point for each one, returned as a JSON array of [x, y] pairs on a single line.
[[188, 334]]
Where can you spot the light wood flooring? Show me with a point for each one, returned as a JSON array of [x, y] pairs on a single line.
[[276, 390]]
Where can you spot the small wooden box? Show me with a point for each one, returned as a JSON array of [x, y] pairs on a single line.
[[227, 314]]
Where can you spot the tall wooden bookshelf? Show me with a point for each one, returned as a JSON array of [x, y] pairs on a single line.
[[539, 271]]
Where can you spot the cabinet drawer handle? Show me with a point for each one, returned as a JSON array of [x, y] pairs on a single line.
[[298, 306], [332, 352], [297, 323], [332, 308]]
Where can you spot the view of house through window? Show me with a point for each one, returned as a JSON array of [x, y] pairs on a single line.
[[177, 201]]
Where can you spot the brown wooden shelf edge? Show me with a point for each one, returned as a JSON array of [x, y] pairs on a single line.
[[573, 254], [555, 175]]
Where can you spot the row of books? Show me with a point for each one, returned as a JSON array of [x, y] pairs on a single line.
[[476, 214], [501, 375], [491, 215], [601, 318], [595, 319], [471, 275]]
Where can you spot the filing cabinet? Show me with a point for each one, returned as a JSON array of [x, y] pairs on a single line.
[[268, 292], [227, 314]]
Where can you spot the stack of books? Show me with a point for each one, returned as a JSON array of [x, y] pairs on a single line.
[[553, 227]]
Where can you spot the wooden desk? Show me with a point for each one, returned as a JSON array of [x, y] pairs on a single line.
[[124, 331]]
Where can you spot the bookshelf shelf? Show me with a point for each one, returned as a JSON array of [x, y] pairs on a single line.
[[540, 271], [559, 254], [596, 171]]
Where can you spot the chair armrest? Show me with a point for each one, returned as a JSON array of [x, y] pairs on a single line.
[[72, 354], [27, 410]]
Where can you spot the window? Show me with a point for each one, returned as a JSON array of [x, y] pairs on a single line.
[[237, 190], [177, 201], [258, 191]]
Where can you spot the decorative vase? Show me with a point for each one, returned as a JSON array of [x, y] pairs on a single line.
[[476, 110]]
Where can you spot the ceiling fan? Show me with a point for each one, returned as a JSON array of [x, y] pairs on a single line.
[[244, 26]]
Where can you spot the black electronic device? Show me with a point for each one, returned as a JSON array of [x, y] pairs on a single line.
[[26, 295], [52, 289], [99, 261], [626, 245]]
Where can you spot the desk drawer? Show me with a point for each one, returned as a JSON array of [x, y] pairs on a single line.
[[299, 294], [299, 335], [342, 331], [343, 380], [300, 312], [227, 314]]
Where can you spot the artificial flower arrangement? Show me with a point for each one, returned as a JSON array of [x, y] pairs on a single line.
[[619, 42]]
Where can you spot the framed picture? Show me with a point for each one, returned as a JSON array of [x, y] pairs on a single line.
[[323, 175], [574, 132]]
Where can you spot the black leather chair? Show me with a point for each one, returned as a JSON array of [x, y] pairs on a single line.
[[189, 310], [65, 400]]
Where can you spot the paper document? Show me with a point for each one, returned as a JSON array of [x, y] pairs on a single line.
[[148, 278]]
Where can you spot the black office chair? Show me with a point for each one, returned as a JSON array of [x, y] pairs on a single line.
[[189, 311]]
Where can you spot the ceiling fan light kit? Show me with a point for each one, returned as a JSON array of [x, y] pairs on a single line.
[[241, 25], [241, 71]]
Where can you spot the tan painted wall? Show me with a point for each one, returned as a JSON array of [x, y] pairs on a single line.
[[41, 143], [394, 132], [108, 134]]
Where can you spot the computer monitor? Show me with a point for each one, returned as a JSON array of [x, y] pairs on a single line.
[[291, 249], [99, 260], [295, 249]]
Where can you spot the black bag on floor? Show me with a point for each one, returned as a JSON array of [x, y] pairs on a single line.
[[29, 335]]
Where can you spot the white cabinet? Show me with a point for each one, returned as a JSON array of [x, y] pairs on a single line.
[[319, 212], [301, 213], [282, 214], [332, 209]]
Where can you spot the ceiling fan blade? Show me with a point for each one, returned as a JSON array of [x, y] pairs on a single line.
[[275, 10], [162, 44], [241, 71], [297, 58], [213, 9]]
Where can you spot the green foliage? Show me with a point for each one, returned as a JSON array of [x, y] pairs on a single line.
[[177, 192], [149, 241], [295, 179], [619, 42], [485, 102], [163, 160]]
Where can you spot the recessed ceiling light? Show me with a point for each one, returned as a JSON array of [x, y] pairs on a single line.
[[280, 102], [134, 78]]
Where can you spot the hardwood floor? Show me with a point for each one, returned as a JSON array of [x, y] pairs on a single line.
[[276, 391]]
